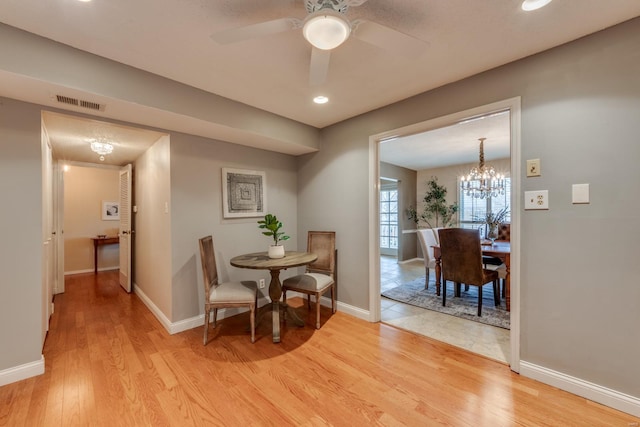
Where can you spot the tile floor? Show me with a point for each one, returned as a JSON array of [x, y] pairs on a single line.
[[483, 339]]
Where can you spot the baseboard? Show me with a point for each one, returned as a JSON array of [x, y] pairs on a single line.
[[22, 372], [340, 306], [90, 270], [186, 324], [411, 260], [605, 396]]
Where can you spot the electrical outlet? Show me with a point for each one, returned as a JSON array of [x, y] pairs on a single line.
[[261, 284], [536, 199]]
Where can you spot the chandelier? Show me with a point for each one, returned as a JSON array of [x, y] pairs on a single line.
[[101, 148], [482, 182]]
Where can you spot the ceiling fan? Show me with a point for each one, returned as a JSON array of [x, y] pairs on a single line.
[[326, 27]]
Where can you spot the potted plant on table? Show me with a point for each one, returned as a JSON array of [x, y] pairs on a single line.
[[493, 221], [272, 226]]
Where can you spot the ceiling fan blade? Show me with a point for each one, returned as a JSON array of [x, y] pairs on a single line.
[[354, 3], [388, 38], [262, 29], [319, 66]]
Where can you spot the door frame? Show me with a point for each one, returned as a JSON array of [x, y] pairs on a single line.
[[514, 107]]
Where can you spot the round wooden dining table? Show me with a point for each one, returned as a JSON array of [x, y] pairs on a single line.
[[261, 261]]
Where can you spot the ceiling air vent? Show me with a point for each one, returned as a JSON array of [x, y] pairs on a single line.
[[79, 103]]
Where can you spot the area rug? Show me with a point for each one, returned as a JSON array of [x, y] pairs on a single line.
[[465, 306]]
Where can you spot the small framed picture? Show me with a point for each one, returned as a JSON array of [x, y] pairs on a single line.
[[110, 211], [243, 193]]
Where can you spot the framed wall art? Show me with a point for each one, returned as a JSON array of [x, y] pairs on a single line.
[[243, 193], [110, 211]]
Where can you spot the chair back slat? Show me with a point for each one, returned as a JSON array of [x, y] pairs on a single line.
[[323, 244], [209, 269], [461, 256]]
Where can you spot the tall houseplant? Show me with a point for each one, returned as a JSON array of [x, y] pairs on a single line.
[[272, 226], [435, 212]]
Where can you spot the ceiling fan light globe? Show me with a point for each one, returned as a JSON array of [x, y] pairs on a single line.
[[326, 31], [529, 5]]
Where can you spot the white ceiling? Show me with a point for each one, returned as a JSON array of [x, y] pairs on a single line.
[[172, 38]]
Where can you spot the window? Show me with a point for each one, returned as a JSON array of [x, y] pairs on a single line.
[[389, 219], [471, 209]]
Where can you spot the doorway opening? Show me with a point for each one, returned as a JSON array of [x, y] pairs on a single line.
[[450, 131]]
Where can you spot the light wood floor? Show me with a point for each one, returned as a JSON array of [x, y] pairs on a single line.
[[110, 363]]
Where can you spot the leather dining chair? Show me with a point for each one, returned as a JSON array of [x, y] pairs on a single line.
[[461, 257], [427, 239], [224, 294], [320, 275]]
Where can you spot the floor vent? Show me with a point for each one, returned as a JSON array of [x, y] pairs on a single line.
[[79, 103]]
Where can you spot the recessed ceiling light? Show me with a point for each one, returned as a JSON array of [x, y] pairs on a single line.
[[321, 99], [85, 1], [534, 4]]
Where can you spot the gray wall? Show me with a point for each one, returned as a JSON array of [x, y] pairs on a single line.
[[408, 241], [580, 116], [21, 242]]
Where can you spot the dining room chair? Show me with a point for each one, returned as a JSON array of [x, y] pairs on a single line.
[[427, 239], [321, 275], [461, 257], [224, 294]]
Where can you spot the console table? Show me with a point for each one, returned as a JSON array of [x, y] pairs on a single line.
[[100, 241]]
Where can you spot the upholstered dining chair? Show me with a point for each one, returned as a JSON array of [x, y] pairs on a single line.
[[461, 257], [321, 275], [427, 239], [224, 294]]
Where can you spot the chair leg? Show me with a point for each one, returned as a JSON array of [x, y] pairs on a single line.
[[504, 288], [333, 298], [206, 325], [426, 279], [444, 292], [215, 317], [309, 301], [317, 310], [479, 301], [253, 322], [496, 292]]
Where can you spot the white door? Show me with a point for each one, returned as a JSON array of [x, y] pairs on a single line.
[[125, 228], [48, 235]]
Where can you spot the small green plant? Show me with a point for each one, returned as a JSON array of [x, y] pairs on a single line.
[[271, 223], [436, 212]]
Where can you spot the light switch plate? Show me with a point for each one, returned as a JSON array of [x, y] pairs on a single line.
[[533, 167], [580, 193], [536, 199]]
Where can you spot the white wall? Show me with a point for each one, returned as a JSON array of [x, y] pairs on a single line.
[[85, 188], [580, 109]]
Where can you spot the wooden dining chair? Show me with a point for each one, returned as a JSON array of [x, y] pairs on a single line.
[[461, 257], [427, 239], [321, 275], [224, 294]]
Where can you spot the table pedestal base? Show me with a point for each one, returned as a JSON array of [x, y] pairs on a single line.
[[277, 308]]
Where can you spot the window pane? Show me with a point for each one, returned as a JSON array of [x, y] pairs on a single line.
[[384, 242]]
